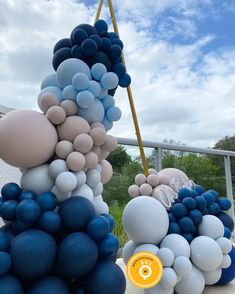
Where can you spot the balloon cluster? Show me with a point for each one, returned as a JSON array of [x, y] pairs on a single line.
[[58, 234], [59, 251], [185, 226]]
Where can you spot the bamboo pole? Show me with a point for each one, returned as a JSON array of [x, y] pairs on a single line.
[[99, 10]]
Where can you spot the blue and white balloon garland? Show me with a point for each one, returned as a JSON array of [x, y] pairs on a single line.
[[185, 226]]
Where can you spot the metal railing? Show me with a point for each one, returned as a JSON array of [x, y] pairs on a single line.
[[159, 147]]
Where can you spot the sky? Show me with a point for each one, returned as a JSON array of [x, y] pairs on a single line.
[[179, 53]]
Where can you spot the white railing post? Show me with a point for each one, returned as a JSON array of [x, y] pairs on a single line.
[[158, 158], [229, 184]]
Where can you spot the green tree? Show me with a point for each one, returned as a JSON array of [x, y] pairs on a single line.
[[118, 158]]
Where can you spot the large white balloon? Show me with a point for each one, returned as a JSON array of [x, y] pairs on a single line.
[[167, 256], [147, 248], [145, 220], [178, 245], [84, 191], [159, 289], [212, 277], [37, 179], [66, 182], [101, 207], [193, 283], [211, 226], [206, 253], [128, 250], [56, 167]]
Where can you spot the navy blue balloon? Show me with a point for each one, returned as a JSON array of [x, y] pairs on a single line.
[[77, 52], [33, 254], [214, 194], [4, 241], [75, 213], [90, 30], [115, 51], [125, 81], [226, 220], [104, 35], [8, 230], [49, 284], [5, 263], [119, 69], [26, 195], [49, 221], [77, 255], [224, 203], [106, 44], [186, 224], [110, 257], [196, 216], [214, 208], [100, 57], [20, 227], [101, 26], [199, 189], [171, 217], [63, 43], [106, 278], [183, 193], [10, 191], [10, 285], [188, 236], [228, 274], [201, 203], [89, 47], [97, 39], [28, 211], [110, 219], [47, 201], [205, 211], [61, 55], [98, 227], [1, 202], [8, 210], [179, 210], [209, 198], [227, 233], [189, 203], [193, 193], [113, 36], [118, 42], [108, 245], [78, 36], [174, 228]]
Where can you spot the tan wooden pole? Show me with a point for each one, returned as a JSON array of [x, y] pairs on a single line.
[[99, 10]]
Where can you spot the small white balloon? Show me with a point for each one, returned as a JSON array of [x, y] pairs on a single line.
[[98, 198], [128, 250], [98, 167], [212, 277], [182, 266], [146, 189], [93, 177], [153, 180], [66, 182], [140, 179], [178, 245], [226, 261], [134, 191], [98, 189], [59, 195], [56, 167], [81, 178], [167, 256], [84, 191], [211, 226], [169, 278], [101, 207], [225, 244], [147, 248]]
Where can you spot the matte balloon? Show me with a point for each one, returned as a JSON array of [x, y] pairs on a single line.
[[70, 93], [78, 36], [94, 88], [94, 113], [226, 261], [89, 47], [98, 70], [125, 81], [98, 227], [169, 278], [98, 189], [225, 244], [177, 244], [48, 100], [109, 80], [75, 161], [91, 160], [53, 90], [60, 195], [140, 179], [211, 226], [8, 209], [159, 289], [98, 135], [93, 177], [49, 81], [114, 113], [56, 115], [106, 171], [63, 149], [138, 227], [226, 220], [108, 124], [61, 55], [28, 139], [84, 191], [134, 191], [37, 179], [11, 285], [182, 266], [228, 274], [101, 26], [49, 284], [28, 211], [5, 261], [80, 81], [108, 102], [49, 221], [81, 178], [128, 250], [101, 207], [153, 180], [212, 277], [167, 256], [83, 143], [47, 201], [147, 248], [146, 189], [70, 107], [57, 167], [4, 241], [66, 182], [85, 99], [10, 191]]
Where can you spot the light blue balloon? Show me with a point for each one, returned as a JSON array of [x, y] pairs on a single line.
[[50, 81], [68, 68], [95, 88], [54, 90], [108, 102], [95, 113], [107, 124], [114, 113], [85, 99], [70, 93], [80, 81], [103, 93], [98, 70], [109, 81]]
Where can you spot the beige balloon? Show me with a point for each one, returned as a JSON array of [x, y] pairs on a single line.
[[27, 137], [104, 154], [72, 127], [47, 100], [83, 143], [110, 143], [153, 180], [75, 161], [146, 189], [56, 115], [97, 125], [106, 171], [98, 135], [140, 179], [63, 149], [134, 191], [91, 160], [97, 150], [70, 107]]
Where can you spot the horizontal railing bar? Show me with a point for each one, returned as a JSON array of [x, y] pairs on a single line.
[[152, 144]]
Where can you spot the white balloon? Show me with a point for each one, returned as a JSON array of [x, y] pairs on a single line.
[[193, 283], [93, 177], [84, 191], [182, 266], [145, 220], [159, 289], [56, 167], [81, 178], [212, 277], [66, 182], [206, 253], [37, 179], [167, 256], [226, 261], [101, 207], [211, 226], [169, 278], [147, 248], [178, 245], [98, 189], [98, 168], [59, 195], [225, 244], [128, 250], [98, 198]]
